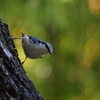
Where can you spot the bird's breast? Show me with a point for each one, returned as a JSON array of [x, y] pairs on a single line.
[[34, 51]]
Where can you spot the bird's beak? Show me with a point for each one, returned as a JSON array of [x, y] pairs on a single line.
[[51, 53]]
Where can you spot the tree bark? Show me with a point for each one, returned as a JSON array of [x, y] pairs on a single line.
[[14, 83]]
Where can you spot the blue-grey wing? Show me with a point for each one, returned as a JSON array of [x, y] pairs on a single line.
[[34, 40]]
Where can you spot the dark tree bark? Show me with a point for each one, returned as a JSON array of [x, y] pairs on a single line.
[[14, 83]]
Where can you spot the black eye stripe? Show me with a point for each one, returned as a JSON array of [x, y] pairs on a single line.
[[48, 48]]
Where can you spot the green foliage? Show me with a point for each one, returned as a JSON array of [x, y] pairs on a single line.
[[73, 72]]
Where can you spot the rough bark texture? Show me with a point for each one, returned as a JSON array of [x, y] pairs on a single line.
[[14, 83]]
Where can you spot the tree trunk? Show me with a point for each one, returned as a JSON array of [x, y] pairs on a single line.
[[14, 83]]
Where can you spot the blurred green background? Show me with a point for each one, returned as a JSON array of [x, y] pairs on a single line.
[[73, 28]]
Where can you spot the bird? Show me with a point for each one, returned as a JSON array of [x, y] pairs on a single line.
[[34, 48]]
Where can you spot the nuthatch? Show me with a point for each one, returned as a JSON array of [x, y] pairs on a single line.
[[35, 48]]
